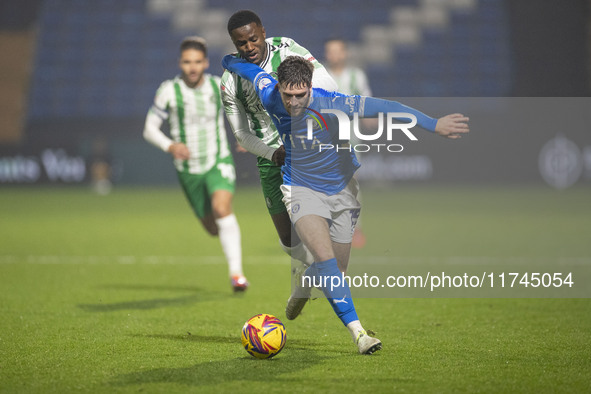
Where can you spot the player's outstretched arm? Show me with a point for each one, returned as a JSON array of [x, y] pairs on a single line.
[[452, 126], [262, 81], [373, 106], [243, 68]]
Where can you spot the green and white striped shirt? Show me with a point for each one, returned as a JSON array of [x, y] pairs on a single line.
[[352, 80], [250, 123], [195, 119]]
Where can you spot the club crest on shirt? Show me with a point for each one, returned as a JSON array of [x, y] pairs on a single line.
[[263, 82], [269, 202]]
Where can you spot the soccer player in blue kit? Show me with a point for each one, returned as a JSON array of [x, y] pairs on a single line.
[[319, 190]]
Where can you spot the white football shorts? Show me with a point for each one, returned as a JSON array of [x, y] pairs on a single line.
[[341, 209]]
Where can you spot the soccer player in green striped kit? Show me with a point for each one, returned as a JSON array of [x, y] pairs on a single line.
[[253, 126], [191, 103]]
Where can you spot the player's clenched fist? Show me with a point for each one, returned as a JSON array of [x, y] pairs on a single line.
[[279, 156], [179, 151]]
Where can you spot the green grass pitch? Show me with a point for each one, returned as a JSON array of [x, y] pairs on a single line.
[[126, 293]]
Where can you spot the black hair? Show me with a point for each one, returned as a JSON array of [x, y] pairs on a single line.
[[295, 71], [194, 42], [243, 18]]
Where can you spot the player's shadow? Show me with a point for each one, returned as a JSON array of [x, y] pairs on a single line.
[[196, 295], [244, 368], [192, 338], [186, 289], [140, 304], [293, 343]]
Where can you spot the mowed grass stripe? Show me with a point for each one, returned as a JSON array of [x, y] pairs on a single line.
[[175, 328]]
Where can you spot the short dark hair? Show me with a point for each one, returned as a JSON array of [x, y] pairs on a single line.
[[243, 18], [194, 42], [295, 71]]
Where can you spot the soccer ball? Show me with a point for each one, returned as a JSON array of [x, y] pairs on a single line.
[[263, 336]]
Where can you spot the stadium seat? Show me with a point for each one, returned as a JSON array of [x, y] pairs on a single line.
[[103, 42]]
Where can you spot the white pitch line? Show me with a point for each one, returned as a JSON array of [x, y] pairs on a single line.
[[469, 260], [130, 260], [282, 259]]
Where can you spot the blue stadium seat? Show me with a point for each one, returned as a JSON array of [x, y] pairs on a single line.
[[87, 50]]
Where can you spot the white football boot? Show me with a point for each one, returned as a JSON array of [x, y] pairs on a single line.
[[367, 344], [300, 295]]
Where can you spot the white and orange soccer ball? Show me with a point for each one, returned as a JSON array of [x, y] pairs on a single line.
[[263, 336]]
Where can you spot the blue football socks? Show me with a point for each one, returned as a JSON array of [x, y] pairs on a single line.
[[327, 276]]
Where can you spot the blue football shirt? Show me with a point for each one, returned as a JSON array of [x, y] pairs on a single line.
[[306, 163]]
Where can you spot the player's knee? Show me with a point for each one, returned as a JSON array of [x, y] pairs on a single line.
[[284, 230], [221, 210], [286, 240], [221, 206], [288, 235]]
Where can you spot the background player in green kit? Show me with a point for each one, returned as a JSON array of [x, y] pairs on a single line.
[[191, 103], [252, 125], [350, 80]]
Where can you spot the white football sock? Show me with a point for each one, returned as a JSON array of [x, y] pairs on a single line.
[[354, 329], [229, 233], [299, 252]]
